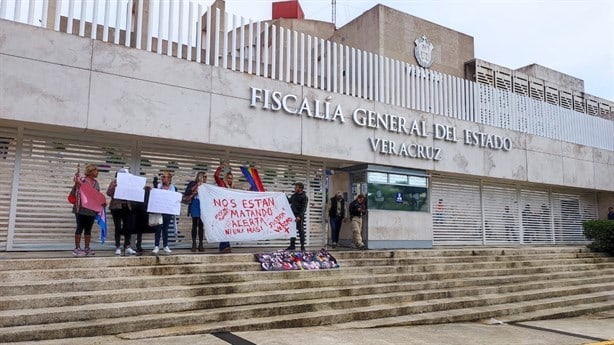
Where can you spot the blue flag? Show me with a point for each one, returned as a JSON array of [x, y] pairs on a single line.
[[101, 219]]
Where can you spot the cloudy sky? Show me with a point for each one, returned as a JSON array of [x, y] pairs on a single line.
[[575, 37]]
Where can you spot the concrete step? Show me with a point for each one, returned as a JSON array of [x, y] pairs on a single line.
[[324, 288], [78, 297], [258, 317], [386, 274], [275, 302], [252, 266], [346, 320]]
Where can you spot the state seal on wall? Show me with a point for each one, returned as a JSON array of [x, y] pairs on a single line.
[[424, 51]]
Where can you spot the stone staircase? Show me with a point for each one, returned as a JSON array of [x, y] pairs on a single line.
[[148, 296]]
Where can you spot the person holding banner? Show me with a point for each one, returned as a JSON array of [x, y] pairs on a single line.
[[120, 212], [166, 218], [226, 182], [191, 195], [85, 217], [298, 204]]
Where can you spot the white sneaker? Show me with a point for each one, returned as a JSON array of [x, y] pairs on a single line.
[[167, 250], [118, 251], [130, 251], [156, 250]]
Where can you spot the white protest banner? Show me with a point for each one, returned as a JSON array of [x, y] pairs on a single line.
[[234, 215], [164, 201], [130, 187]]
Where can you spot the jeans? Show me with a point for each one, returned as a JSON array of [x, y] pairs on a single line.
[[166, 222], [335, 228]]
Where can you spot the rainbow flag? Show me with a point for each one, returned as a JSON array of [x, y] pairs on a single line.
[[101, 219], [252, 176]]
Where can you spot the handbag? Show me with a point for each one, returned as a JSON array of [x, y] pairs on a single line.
[[154, 219], [187, 199]]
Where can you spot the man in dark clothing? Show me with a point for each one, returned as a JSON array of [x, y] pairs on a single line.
[[336, 213], [610, 213], [298, 203], [358, 208]]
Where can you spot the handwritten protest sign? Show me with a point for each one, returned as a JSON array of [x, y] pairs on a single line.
[[130, 187], [233, 215], [164, 201]]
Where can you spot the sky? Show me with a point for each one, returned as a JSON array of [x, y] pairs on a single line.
[[575, 37]]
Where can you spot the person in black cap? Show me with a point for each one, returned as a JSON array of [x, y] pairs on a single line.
[[298, 203]]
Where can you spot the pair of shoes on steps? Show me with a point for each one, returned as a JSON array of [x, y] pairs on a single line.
[[130, 251], [166, 250]]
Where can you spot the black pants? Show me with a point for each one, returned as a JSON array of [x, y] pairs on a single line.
[[300, 228], [197, 224], [121, 219]]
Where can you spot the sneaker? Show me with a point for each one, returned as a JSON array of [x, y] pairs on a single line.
[[156, 250], [89, 252], [118, 251], [334, 245], [167, 250], [130, 251], [78, 252]]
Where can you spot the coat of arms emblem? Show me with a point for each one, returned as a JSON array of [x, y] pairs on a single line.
[[424, 51]]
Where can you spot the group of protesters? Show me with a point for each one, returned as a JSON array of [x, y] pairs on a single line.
[[132, 217]]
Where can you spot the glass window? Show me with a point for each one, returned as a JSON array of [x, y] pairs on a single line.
[[397, 197], [377, 177], [397, 191], [418, 181], [397, 179]]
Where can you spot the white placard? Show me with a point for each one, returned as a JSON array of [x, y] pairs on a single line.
[[164, 201], [130, 187]]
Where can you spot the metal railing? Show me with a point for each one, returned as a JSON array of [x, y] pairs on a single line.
[[189, 30]]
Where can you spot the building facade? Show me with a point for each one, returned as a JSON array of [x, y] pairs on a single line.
[[445, 155]]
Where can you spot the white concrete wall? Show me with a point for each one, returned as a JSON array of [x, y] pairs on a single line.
[[49, 78]]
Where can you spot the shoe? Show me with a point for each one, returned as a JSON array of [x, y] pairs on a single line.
[[226, 250], [167, 250], [201, 248], [118, 251], [302, 249], [130, 251], [334, 245], [193, 250], [156, 250], [139, 249], [89, 252], [78, 252], [291, 248]]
